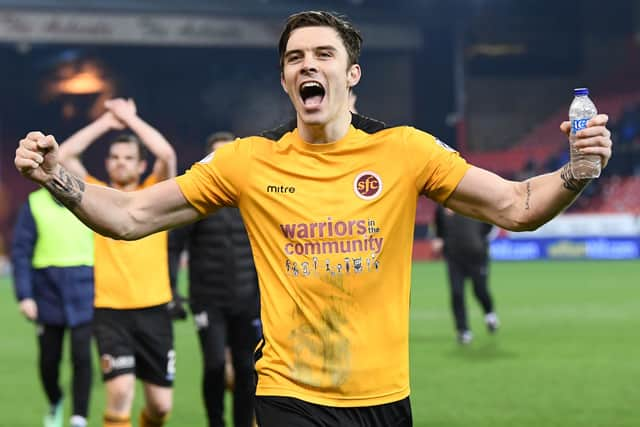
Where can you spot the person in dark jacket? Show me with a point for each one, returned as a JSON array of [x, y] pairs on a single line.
[[224, 300], [463, 242], [52, 257]]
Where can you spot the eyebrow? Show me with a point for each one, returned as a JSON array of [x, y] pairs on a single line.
[[294, 51], [328, 47]]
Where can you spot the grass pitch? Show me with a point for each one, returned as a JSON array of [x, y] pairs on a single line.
[[568, 353]]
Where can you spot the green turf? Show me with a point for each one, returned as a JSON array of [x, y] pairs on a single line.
[[568, 353]]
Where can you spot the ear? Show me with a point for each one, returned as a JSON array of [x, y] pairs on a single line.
[[284, 87], [353, 75]]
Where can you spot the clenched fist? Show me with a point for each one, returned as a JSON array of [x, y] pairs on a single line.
[[594, 139], [37, 157]]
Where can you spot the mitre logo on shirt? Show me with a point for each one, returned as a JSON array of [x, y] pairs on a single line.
[[282, 189], [367, 185]]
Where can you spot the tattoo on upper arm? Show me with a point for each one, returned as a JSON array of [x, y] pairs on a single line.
[[571, 183], [528, 199], [67, 188]]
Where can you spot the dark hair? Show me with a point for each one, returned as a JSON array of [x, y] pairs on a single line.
[[129, 138], [216, 137], [350, 36]]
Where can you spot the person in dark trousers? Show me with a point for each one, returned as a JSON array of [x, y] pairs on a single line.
[[224, 300], [463, 242], [52, 258]]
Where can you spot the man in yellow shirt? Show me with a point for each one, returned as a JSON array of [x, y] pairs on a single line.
[[329, 203], [131, 322]]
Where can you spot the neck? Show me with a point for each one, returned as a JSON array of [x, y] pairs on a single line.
[[131, 186], [325, 132]]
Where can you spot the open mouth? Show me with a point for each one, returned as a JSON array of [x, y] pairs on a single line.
[[312, 94]]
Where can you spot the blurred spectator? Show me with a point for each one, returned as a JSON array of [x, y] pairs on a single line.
[[52, 256], [224, 298], [132, 324], [463, 242]]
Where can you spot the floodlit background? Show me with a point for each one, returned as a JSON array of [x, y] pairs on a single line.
[[492, 78]]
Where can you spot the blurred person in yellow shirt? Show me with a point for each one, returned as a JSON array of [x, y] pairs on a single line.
[[131, 324]]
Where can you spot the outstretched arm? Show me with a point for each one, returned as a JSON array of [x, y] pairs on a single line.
[[165, 164], [113, 213], [521, 206], [71, 150]]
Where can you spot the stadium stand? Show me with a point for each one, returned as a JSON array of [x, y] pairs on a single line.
[[544, 142]]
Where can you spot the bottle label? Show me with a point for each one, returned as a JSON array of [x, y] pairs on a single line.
[[578, 124]]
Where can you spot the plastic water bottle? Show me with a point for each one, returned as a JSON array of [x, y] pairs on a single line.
[[581, 110]]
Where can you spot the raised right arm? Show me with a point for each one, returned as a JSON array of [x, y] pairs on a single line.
[[71, 150], [125, 111], [113, 213]]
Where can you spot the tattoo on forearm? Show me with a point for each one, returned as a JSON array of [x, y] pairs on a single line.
[[571, 183], [68, 189], [528, 199]]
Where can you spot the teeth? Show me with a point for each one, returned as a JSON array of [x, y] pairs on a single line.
[[310, 84]]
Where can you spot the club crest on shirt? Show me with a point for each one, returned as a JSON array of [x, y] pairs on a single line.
[[444, 145], [367, 185], [207, 159]]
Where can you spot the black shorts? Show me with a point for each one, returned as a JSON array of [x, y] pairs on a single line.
[[137, 341], [274, 411]]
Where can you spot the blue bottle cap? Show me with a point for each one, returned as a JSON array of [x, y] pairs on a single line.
[[580, 91]]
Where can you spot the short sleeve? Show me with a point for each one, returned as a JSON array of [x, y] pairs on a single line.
[[218, 179], [438, 168]]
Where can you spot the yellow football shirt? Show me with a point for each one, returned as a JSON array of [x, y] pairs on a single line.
[[331, 227], [131, 274]]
